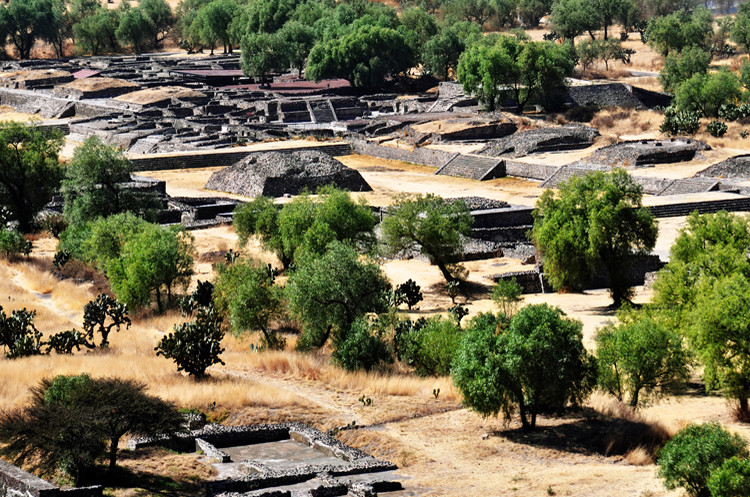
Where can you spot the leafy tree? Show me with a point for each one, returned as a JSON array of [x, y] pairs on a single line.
[[509, 69], [29, 170], [641, 357], [441, 52], [532, 11], [136, 29], [68, 420], [507, 294], [476, 11], [22, 22], [100, 310], [364, 56], [740, 33], [262, 54], [706, 93], [304, 225], [18, 335], [328, 293], [161, 16], [608, 11], [215, 18], [430, 224], [430, 347], [537, 363], [679, 30], [95, 32], [297, 40], [593, 221], [196, 345], [154, 258], [362, 349], [571, 18], [720, 327], [683, 66], [694, 453], [94, 184], [246, 292]]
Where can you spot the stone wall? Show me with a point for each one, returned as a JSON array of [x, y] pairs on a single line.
[[529, 171], [15, 482], [217, 158], [423, 156]]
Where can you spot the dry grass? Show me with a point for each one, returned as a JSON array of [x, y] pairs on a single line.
[[98, 84], [154, 95], [615, 123]]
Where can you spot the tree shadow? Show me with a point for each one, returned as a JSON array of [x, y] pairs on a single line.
[[591, 433]]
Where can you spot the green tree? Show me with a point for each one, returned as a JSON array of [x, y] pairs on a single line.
[[262, 54], [441, 52], [593, 221], [68, 420], [153, 259], [215, 19], [430, 347], [196, 345], [536, 364], [297, 39], [136, 29], [94, 184], [740, 33], [430, 224], [694, 453], [161, 16], [507, 294], [328, 293], [364, 56], [509, 69], [23, 22], [571, 18], [641, 357], [29, 170], [476, 11], [532, 11], [706, 93], [363, 348], [95, 32], [246, 292], [679, 30], [683, 66]]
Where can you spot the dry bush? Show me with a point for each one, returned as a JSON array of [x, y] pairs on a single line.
[[603, 121], [629, 432]]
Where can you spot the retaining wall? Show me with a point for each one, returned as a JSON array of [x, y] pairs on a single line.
[[423, 156], [219, 158], [15, 482]]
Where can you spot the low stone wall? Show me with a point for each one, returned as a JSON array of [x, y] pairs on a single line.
[[529, 171], [15, 482], [217, 158], [423, 156]]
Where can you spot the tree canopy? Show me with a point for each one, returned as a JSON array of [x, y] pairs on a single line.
[[593, 221]]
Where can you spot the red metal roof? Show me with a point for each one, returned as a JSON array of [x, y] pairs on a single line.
[[85, 73]]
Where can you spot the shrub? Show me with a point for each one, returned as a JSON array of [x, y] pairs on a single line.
[[733, 112], [680, 122], [409, 293], [98, 312], [430, 346], [362, 348], [65, 341], [18, 335], [196, 345], [507, 295], [716, 128], [13, 244], [688, 459], [731, 479], [582, 113]]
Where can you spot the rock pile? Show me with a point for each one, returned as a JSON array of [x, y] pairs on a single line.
[[642, 152], [542, 140], [734, 167], [275, 174], [481, 203]]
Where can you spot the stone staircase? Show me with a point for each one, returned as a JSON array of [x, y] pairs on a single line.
[[690, 185], [473, 167], [322, 111]]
